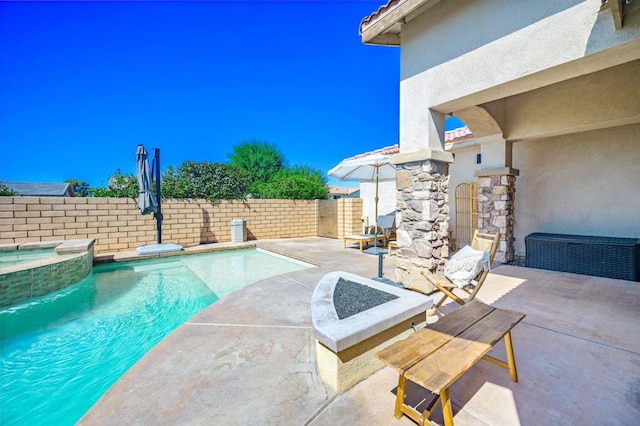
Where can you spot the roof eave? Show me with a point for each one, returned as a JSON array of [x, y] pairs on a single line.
[[383, 26], [386, 39]]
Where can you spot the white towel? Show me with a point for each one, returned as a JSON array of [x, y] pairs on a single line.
[[465, 265]]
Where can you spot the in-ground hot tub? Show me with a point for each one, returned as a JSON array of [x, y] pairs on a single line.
[[353, 318], [69, 262]]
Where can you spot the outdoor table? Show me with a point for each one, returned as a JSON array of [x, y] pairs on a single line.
[[437, 355]]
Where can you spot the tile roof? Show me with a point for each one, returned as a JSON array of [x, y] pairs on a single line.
[[450, 136], [383, 27], [457, 135], [42, 189], [387, 150], [341, 190], [375, 15]]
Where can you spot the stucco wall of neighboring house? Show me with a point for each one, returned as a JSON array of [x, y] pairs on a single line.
[[386, 195], [449, 63], [585, 183]]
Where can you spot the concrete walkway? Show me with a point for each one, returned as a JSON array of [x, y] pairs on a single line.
[[249, 358]]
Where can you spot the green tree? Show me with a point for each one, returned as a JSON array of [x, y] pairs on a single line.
[[122, 185], [5, 191], [295, 183], [211, 181], [80, 188], [260, 160], [171, 186]]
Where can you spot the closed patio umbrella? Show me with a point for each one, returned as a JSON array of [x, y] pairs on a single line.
[[368, 168], [147, 202]]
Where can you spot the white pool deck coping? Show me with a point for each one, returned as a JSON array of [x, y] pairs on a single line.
[[75, 246], [340, 334], [133, 255], [60, 246]]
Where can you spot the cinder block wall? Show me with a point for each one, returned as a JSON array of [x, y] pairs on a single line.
[[349, 216], [117, 224]]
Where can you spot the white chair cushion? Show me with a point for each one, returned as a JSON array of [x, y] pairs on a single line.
[[463, 266], [359, 237]]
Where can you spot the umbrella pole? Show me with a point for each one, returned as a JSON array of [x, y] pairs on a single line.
[[375, 230], [158, 214]]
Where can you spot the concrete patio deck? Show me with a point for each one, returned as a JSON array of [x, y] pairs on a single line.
[[249, 358]]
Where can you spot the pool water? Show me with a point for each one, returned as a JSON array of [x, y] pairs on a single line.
[[16, 257], [61, 352]]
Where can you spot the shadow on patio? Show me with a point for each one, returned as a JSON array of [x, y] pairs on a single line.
[[577, 352]]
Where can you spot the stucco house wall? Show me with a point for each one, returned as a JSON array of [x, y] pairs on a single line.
[[590, 180], [568, 172], [587, 188], [449, 62], [551, 92]]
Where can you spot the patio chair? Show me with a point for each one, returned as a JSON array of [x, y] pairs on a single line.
[[386, 227], [467, 270], [384, 232]]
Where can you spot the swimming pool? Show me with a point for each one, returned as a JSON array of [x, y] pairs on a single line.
[[61, 352]]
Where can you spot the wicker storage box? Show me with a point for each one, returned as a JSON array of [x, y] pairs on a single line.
[[601, 256]]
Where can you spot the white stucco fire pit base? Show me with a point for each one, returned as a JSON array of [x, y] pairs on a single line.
[[353, 318]]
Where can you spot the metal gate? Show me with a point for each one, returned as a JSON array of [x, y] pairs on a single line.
[[466, 212]]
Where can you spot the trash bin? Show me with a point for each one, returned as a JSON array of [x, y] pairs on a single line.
[[238, 230]]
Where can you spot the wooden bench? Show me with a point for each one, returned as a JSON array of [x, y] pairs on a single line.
[[436, 356]]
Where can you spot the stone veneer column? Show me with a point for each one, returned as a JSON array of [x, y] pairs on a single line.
[[422, 229], [496, 208]]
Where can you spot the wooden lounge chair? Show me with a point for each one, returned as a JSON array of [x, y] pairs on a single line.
[[360, 239], [484, 242], [392, 245], [384, 231]]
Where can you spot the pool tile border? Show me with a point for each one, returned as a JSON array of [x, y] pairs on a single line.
[[73, 262]]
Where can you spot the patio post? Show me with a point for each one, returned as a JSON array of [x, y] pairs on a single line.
[[496, 208], [422, 233]]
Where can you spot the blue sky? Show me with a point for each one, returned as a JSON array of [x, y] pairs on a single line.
[[83, 83]]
